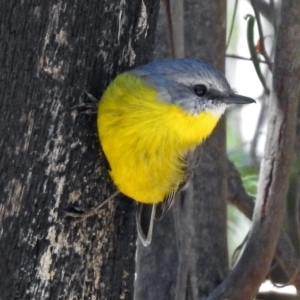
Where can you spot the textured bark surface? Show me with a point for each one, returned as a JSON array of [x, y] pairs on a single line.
[[190, 264], [51, 52]]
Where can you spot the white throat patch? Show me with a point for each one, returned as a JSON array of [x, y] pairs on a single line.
[[218, 111]]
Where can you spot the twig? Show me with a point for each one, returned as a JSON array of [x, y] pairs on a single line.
[[262, 38], [253, 52], [244, 58]]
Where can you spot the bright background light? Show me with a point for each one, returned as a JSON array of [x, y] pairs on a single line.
[[242, 121]]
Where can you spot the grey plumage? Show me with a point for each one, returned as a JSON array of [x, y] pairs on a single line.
[[175, 83]]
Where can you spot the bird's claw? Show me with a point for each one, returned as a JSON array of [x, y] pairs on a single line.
[[88, 107], [78, 215]]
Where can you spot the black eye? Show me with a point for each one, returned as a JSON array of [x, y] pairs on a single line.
[[200, 90]]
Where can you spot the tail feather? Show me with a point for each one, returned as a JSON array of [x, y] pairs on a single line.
[[145, 215]]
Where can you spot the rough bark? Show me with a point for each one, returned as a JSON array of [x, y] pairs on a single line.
[[51, 52], [193, 262]]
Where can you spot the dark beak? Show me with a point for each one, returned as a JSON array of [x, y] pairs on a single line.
[[238, 99]]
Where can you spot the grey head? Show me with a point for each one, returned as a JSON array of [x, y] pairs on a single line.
[[191, 84]]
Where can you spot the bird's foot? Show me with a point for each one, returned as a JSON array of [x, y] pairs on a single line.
[[80, 214], [88, 107]]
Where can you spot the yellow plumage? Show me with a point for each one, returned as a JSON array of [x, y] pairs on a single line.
[[145, 138]]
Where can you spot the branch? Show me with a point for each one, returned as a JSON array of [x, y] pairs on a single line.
[[286, 256], [244, 280]]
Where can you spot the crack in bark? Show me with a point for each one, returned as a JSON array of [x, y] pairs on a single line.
[[267, 190]]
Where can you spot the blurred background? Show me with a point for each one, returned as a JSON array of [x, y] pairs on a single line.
[[245, 125]]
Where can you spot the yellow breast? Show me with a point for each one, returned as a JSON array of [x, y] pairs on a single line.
[[145, 138]]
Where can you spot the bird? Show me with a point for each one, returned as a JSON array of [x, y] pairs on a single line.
[[150, 119]]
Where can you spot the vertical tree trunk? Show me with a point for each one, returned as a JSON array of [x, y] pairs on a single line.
[[51, 52], [188, 264], [210, 179]]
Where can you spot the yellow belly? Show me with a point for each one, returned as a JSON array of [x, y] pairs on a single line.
[[145, 138]]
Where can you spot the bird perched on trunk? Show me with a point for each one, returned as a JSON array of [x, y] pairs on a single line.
[[150, 120]]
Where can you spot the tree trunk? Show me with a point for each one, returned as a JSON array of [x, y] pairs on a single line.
[[51, 52]]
